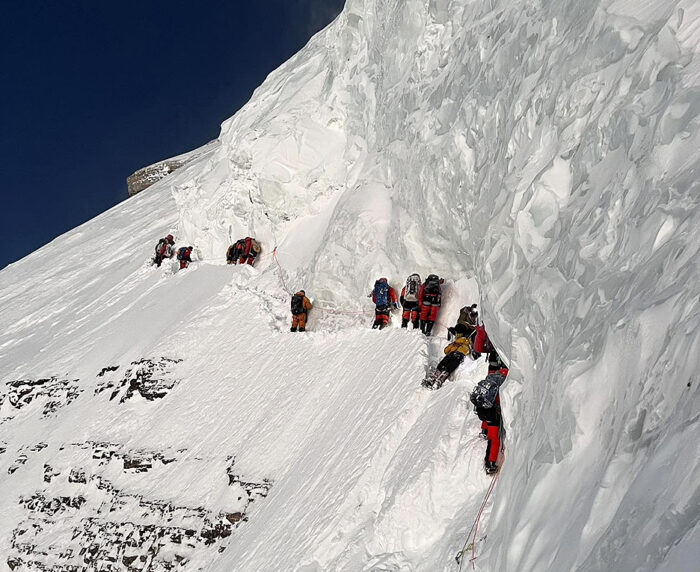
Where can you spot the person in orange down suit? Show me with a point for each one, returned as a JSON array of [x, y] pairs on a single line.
[[300, 311]]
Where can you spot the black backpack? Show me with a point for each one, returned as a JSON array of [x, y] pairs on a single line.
[[432, 284], [297, 304], [486, 391]]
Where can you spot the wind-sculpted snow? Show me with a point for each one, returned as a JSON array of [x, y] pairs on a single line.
[[544, 150], [550, 150]]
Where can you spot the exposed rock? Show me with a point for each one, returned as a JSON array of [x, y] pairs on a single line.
[[52, 391], [101, 527], [150, 378], [147, 176]]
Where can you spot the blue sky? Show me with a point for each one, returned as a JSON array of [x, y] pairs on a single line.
[[91, 91]]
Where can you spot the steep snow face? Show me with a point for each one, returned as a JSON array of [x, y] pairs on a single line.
[[545, 152], [550, 150]]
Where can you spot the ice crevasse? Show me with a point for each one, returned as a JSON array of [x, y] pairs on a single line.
[[544, 151]]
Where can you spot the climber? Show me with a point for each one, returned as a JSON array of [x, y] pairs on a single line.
[[164, 249], [300, 311], [409, 301], [469, 317], [250, 251], [234, 251], [384, 298], [429, 301], [481, 342], [455, 354], [183, 255], [487, 405]]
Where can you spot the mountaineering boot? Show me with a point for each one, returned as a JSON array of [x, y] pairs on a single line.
[[416, 325], [404, 323], [292, 329], [483, 434], [428, 327], [302, 329], [491, 467]]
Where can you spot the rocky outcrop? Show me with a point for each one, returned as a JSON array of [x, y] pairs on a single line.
[[147, 176]]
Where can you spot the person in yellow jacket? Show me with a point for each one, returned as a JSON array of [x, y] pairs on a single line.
[[300, 311], [455, 354]]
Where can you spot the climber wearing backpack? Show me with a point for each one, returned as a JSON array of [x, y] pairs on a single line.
[[234, 251], [384, 298], [455, 354], [487, 406], [409, 301], [250, 251], [429, 301], [300, 311], [469, 318], [164, 249], [183, 255]]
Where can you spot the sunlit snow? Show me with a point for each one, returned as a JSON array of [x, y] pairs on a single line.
[[540, 156]]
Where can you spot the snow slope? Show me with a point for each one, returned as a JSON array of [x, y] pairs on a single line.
[[542, 156]]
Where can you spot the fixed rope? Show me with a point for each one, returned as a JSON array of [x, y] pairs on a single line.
[[475, 527], [286, 288]]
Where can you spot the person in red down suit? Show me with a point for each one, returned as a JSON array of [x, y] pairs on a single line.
[[429, 302], [384, 298]]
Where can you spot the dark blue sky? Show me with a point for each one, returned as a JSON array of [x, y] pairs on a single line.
[[90, 91]]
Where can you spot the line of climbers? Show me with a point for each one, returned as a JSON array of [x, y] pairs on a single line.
[[164, 249], [243, 251], [420, 302], [471, 339]]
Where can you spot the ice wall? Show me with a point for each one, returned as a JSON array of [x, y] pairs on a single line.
[[548, 148]]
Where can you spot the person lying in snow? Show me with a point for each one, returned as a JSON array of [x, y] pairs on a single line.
[[487, 406], [164, 249], [429, 301], [384, 298], [300, 311], [455, 354]]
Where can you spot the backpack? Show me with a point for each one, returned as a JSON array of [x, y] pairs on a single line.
[[297, 304], [181, 252], [486, 391], [412, 287], [432, 284], [381, 293], [161, 247]]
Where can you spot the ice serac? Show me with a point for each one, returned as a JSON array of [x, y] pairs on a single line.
[[549, 149], [544, 150]]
